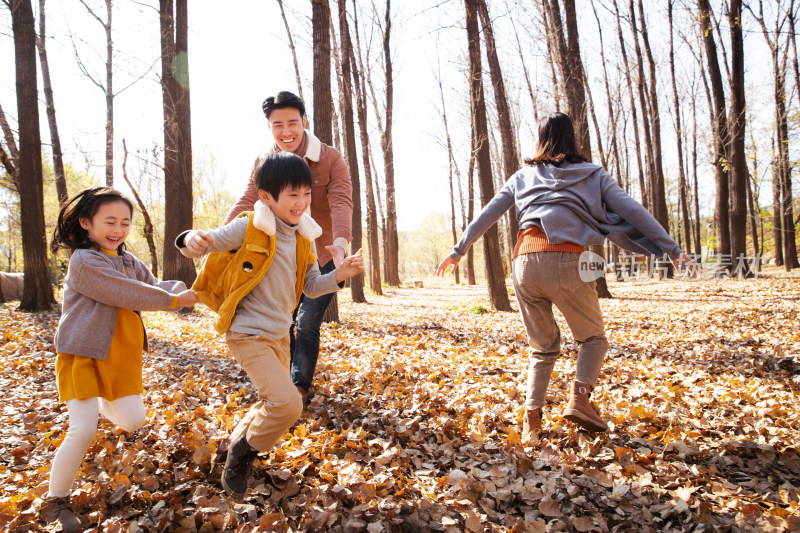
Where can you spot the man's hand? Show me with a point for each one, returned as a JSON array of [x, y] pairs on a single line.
[[197, 241], [446, 263], [338, 254], [186, 299], [350, 267]]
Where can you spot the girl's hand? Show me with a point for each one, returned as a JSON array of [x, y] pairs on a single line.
[[197, 241], [685, 261], [351, 266], [445, 264], [186, 299]]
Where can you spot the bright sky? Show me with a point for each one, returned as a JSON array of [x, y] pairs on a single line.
[[240, 56]]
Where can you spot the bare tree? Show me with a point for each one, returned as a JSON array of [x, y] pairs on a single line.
[[177, 136], [294, 52], [37, 294], [357, 282], [678, 135], [148, 223], [480, 135], [373, 245], [47, 86]]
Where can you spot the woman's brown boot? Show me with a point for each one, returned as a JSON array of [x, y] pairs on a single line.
[[531, 425], [582, 410]]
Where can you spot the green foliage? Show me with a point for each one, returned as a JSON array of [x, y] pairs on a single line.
[[478, 309]]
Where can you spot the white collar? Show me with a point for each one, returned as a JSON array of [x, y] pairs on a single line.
[[264, 219], [313, 151]]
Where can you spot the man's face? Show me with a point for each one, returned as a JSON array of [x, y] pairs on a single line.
[[286, 126]]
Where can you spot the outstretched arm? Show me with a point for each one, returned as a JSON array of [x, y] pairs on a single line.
[[446, 263]]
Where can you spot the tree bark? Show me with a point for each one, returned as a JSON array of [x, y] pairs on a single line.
[[511, 159], [37, 294], [47, 86], [491, 245], [356, 282], [682, 189], [721, 134], [177, 137], [391, 246], [373, 243], [634, 115], [737, 122]]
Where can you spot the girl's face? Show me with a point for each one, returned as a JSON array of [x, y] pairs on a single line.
[[109, 227]]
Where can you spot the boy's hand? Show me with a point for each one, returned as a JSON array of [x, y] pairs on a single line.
[[186, 299], [685, 261], [445, 264], [351, 266], [197, 241]]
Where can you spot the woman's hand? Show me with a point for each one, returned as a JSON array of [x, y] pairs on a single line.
[[351, 266], [445, 264], [685, 261]]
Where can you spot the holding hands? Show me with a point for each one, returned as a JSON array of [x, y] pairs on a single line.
[[186, 298], [350, 266]]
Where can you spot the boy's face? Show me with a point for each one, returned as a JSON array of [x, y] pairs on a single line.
[[286, 126], [290, 205]]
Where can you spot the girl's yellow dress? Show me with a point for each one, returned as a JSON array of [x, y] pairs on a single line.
[[119, 375]]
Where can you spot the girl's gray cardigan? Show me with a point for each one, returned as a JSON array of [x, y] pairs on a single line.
[[95, 287]]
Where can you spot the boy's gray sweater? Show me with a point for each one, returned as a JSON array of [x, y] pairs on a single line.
[[268, 307], [576, 202]]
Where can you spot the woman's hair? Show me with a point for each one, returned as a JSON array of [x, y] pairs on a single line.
[[69, 233], [556, 142], [282, 170]]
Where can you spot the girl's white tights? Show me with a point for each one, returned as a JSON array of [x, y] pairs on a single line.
[[128, 413]]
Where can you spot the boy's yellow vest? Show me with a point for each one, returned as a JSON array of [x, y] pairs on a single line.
[[227, 277]]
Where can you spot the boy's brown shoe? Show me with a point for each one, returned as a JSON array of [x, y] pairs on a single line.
[[531, 425], [237, 467], [582, 410], [58, 511]]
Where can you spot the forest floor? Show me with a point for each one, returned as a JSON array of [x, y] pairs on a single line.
[[415, 421]]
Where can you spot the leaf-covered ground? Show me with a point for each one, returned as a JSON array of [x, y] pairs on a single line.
[[416, 418]]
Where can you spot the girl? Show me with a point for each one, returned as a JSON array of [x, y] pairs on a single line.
[[563, 204], [100, 336]]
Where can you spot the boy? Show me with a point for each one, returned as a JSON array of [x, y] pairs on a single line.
[[265, 260]]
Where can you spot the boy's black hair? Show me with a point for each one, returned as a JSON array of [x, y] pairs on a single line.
[[282, 170], [283, 100], [69, 233]]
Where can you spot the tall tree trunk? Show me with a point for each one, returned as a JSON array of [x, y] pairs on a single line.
[[646, 122], [480, 134], [682, 189], [47, 86], [37, 294], [698, 245], [510, 153], [658, 187], [373, 242], [736, 121], [634, 115], [323, 107], [391, 246], [356, 282], [109, 99], [450, 162], [609, 103], [177, 137], [470, 212], [721, 156]]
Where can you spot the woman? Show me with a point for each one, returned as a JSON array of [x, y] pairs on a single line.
[[563, 204]]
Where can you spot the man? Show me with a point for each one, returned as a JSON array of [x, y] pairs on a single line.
[[331, 208]]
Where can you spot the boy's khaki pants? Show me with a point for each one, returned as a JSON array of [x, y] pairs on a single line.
[[544, 279], [279, 405]]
